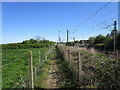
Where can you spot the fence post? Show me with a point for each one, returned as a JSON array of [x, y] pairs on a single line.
[[69, 57], [66, 54], [49, 47], [79, 64], [45, 54], [35, 73], [31, 83], [39, 55], [116, 76]]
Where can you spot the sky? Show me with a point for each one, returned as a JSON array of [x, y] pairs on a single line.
[[25, 20]]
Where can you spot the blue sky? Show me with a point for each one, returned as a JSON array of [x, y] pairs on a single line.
[[25, 20]]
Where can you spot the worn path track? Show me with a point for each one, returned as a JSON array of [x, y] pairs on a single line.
[[54, 74], [59, 75], [53, 77]]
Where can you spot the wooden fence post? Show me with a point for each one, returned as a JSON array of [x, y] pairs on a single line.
[[39, 55], [45, 54], [69, 56], [79, 64], [117, 69], [49, 47], [31, 83], [66, 54], [35, 73]]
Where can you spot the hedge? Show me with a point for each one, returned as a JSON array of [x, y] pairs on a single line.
[[23, 46]]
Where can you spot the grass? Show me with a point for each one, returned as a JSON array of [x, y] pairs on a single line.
[[104, 67], [42, 76], [15, 66], [68, 79], [97, 70]]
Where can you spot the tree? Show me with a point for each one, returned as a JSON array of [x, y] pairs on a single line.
[[100, 42], [100, 39], [26, 42], [91, 41], [32, 41], [76, 41]]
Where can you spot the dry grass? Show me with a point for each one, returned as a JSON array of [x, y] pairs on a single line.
[[94, 66]]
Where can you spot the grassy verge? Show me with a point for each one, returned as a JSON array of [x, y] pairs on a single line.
[[98, 71], [39, 82], [103, 70]]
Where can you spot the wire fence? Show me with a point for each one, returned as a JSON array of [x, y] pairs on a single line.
[[38, 67], [92, 69], [18, 76]]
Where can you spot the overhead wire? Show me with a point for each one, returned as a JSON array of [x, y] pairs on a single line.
[[103, 16], [96, 25], [100, 23], [92, 15]]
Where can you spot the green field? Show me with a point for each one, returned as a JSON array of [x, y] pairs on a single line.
[[15, 66]]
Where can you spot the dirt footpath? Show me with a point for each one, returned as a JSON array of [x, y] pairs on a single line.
[[53, 77], [58, 75], [54, 74]]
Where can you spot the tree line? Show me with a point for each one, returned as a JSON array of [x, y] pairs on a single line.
[[106, 43], [32, 43]]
